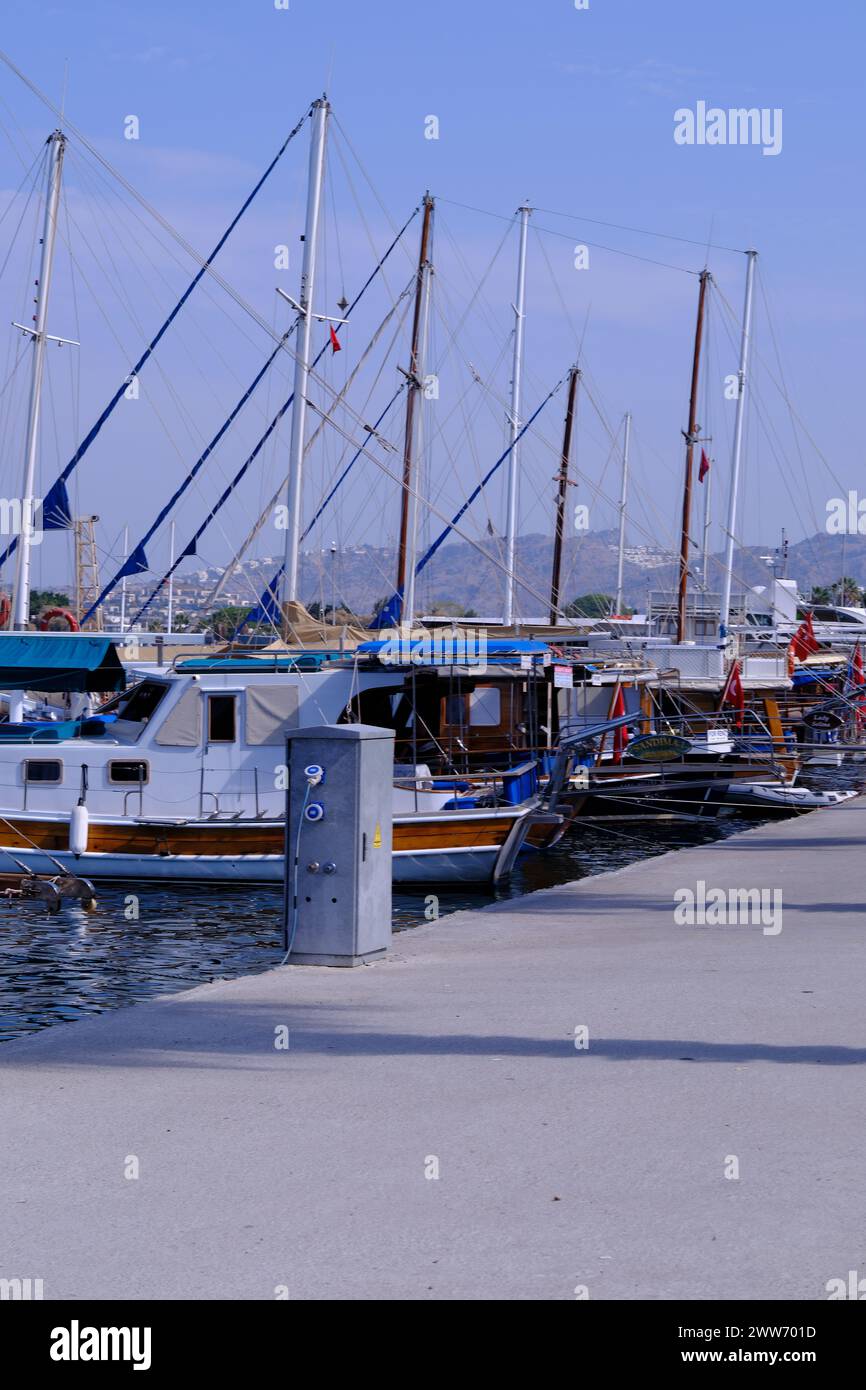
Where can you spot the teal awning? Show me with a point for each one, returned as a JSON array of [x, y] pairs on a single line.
[[57, 662]]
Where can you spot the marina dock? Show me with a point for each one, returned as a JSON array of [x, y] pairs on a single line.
[[436, 1127]]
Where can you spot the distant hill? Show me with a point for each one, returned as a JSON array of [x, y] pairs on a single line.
[[459, 577]]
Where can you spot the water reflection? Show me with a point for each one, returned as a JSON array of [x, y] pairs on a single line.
[[56, 969]]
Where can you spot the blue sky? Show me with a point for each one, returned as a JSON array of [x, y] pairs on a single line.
[[570, 109]]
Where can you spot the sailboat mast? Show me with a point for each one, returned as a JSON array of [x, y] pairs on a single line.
[[170, 615], [414, 389], [745, 342], [414, 495], [514, 418], [123, 580], [303, 344], [573, 378], [623, 501], [691, 437], [21, 604]]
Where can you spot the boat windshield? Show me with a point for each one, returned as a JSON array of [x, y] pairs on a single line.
[[136, 705]]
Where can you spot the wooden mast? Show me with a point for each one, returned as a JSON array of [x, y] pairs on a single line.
[[573, 378], [414, 386], [691, 437]]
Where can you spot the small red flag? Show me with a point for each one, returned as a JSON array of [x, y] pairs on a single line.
[[620, 736], [804, 642], [704, 468], [733, 693], [335, 341]]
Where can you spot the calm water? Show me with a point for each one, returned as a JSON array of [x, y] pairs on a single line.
[[57, 968]]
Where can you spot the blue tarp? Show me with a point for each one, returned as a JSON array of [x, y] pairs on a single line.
[[55, 661]]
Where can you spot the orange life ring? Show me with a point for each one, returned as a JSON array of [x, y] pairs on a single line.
[[50, 613], [5, 610]]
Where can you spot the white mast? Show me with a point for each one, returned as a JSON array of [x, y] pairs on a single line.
[[623, 499], [170, 615], [21, 604], [123, 580], [708, 484], [417, 443], [303, 345], [514, 419], [745, 343]]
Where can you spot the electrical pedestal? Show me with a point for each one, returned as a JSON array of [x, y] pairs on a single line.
[[339, 813]]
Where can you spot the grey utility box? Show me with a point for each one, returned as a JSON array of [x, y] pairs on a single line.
[[339, 815]]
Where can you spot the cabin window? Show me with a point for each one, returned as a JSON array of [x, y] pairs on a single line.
[[485, 707], [138, 704], [221, 719], [43, 770], [128, 773]]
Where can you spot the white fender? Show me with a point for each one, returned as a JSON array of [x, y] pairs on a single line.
[[79, 822]]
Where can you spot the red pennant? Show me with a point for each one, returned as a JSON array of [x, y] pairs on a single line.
[[804, 642], [335, 341], [733, 693], [620, 736], [704, 468]]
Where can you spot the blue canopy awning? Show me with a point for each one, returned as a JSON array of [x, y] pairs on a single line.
[[59, 662]]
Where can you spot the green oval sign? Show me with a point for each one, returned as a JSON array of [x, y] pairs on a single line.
[[658, 748]]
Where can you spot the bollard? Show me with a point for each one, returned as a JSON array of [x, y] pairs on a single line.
[[339, 810]]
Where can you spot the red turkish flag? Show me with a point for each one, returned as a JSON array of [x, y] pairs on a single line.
[[335, 341], [704, 468], [804, 642], [733, 693], [620, 736]]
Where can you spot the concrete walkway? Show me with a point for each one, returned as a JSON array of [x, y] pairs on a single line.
[[605, 1168]]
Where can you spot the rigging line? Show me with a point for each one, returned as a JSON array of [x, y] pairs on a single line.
[[190, 549], [335, 120], [481, 283], [775, 342], [195, 434], [371, 240], [25, 139], [783, 392], [103, 184], [777, 448], [597, 245], [123, 234], [641, 231], [119, 393], [271, 589], [451, 523], [136, 558], [139, 197], [40, 154], [197, 439], [269, 506]]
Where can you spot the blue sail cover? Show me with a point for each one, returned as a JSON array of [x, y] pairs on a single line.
[[56, 508]]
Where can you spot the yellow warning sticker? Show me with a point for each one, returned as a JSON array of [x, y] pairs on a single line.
[[377, 838]]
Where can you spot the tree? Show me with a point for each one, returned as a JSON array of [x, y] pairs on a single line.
[[846, 592], [224, 622], [591, 606], [40, 599]]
